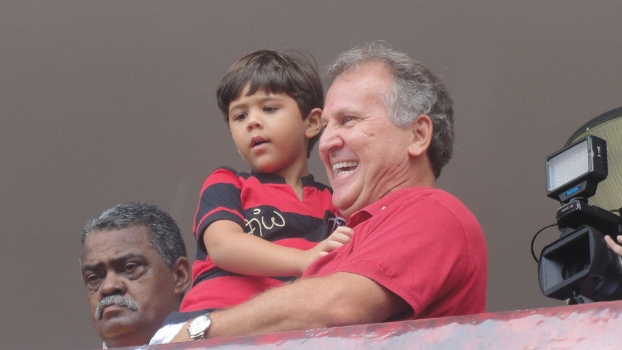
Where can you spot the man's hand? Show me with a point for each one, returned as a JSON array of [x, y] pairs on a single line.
[[615, 247], [183, 335]]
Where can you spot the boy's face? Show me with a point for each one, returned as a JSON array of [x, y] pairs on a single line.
[[270, 133]]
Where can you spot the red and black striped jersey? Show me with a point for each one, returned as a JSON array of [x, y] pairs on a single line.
[[265, 206]]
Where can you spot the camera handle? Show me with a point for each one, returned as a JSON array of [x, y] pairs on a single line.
[[578, 212]]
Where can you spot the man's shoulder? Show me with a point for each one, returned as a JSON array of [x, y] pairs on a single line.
[[421, 193], [432, 201]]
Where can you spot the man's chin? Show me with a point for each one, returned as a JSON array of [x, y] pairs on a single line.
[[123, 340], [346, 207], [116, 321], [118, 331]]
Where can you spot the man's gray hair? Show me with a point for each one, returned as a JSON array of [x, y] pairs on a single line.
[[416, 91], [162, 230]]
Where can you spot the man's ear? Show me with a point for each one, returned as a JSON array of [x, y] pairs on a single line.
[[421, 135], [181, 275], [314, 124]]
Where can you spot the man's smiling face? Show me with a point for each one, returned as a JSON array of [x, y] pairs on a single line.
[[364, 152]]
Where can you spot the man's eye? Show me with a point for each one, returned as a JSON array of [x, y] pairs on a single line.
[[92, 280], [130, 268], [348, 119]]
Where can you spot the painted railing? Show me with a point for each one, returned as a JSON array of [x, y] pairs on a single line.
[[587, 326]]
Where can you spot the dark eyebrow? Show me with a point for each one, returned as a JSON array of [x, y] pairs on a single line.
[[269, 98], [272, 97], [236, 106], [114, 262]]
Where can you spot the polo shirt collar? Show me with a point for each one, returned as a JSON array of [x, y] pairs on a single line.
[[375, 208]]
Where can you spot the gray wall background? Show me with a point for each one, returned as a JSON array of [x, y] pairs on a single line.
[[103, 102]]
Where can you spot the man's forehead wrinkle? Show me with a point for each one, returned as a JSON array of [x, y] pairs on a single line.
[[346, 110], [91, 267], [126, 257], [113, 261]]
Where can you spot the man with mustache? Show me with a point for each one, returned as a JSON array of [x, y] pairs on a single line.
[[135, 272], [417, 251]]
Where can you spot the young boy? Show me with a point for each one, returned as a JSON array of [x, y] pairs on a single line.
[[256, 231]]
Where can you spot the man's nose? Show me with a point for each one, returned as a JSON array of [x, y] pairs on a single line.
[[112, 284], [330, 139]]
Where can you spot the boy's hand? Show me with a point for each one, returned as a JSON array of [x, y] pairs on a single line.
[[339, 237]]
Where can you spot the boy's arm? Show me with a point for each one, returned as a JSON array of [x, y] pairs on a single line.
[[231, 249]]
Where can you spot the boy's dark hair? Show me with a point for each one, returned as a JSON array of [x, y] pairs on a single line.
[[273, 72]]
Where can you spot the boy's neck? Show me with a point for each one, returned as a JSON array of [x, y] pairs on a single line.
[[297, 187], [293, 177]]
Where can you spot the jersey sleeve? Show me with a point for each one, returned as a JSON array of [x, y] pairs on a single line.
[[219, 200]]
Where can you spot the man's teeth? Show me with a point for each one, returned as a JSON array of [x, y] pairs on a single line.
[[344, 167]]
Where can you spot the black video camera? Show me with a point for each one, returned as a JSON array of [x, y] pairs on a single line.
[[579, 266]]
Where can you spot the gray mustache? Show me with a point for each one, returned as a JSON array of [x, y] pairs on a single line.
[[117, 300]]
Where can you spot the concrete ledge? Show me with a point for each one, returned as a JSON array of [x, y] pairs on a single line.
[[587, 326]]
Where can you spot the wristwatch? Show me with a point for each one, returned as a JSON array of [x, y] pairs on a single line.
[[199, 326]]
